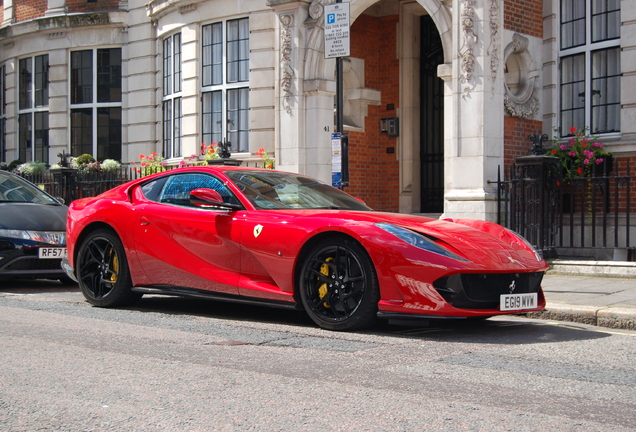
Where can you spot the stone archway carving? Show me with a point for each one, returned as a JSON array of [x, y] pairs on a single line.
[[316, 67], [521, 80]]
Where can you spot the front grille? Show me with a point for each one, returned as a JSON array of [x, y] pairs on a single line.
[[33, 264], [488, 287], [482, 290]]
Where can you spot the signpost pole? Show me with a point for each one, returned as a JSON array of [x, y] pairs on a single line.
[[337, 45]]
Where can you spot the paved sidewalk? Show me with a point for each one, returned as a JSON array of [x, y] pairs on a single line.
[[596, 300]]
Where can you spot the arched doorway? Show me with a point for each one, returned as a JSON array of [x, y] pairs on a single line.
[[432, 119]]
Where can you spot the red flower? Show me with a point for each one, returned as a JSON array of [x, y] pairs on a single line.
[[573, 130], [579, 170], [554, 151]]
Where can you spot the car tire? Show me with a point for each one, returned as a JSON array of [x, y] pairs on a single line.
[[338, 285], [102, 271]]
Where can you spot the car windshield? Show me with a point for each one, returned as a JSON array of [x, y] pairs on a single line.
[[279, 190], [16, 189]]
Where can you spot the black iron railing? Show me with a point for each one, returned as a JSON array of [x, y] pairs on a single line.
[[71, 184], [577, 214]]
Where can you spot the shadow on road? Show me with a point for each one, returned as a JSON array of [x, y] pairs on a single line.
[[503, 330]]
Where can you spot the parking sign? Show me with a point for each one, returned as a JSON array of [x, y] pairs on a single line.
[[337, 36]]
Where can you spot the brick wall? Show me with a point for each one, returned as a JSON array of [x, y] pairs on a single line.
[[29, 9], [374, 174], [83, 6], [516, 142], [524, 16]]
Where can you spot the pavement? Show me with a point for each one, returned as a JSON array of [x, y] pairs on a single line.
[[601, 293]]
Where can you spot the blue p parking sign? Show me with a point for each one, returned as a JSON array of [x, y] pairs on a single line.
[[331, 18]]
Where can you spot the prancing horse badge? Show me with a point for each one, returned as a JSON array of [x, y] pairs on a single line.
[[258, 229]]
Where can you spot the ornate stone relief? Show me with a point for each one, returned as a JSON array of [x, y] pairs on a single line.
[[286, 70], [520, 97], [317, 8], [493, 49], [315, 66], [466, 54]]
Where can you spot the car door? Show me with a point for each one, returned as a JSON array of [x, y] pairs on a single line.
[[181, 245]]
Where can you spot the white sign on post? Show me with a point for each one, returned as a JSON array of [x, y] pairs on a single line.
[[337, 36]]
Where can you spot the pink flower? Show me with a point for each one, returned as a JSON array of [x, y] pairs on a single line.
[[586, 161], [563, 147], [599, 161], [572, 153]]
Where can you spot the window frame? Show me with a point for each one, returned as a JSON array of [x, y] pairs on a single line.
[[588, 50], [171, 104], [218, 95], [33, 108], [105, 115], [3, 113]]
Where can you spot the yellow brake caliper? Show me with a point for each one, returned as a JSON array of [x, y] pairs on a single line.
[[114, 268], [322, 291]]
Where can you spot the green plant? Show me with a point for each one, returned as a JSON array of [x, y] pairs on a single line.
[[193, 160], [14, 164], [579, 154], [110, 165], [268, 162], [84, 159], [150, 164], [210, 151], [31, 168]]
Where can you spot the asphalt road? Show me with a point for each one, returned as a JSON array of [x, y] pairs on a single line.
[[191, 365]]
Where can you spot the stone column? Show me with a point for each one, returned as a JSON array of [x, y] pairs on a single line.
[[9, 13], [305, 90], [55, 7], [476, 120], [190, 96], [58, 104]]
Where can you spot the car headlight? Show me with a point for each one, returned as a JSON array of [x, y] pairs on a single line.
[[529, 246], [418, 240], [48, 237]]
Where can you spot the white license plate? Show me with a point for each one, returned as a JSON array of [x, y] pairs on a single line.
[[52, 253], [508, 302]]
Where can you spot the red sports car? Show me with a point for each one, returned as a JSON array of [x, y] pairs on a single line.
[[282, 239]]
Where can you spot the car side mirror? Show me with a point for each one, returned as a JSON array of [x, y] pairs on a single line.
[[210, 198]]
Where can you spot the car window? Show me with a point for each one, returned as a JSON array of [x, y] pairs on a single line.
[[177, 188], [15, 189], [268, 189], [152, 189]]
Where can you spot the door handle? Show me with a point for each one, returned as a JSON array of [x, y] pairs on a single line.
[[144, 221]]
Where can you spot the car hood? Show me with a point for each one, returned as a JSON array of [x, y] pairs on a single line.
[[479, 241], [29, 216]]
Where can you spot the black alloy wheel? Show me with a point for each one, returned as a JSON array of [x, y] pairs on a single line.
[[338, 285], [102, 271]]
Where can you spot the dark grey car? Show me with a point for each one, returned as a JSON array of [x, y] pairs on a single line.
[[32, 231]]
